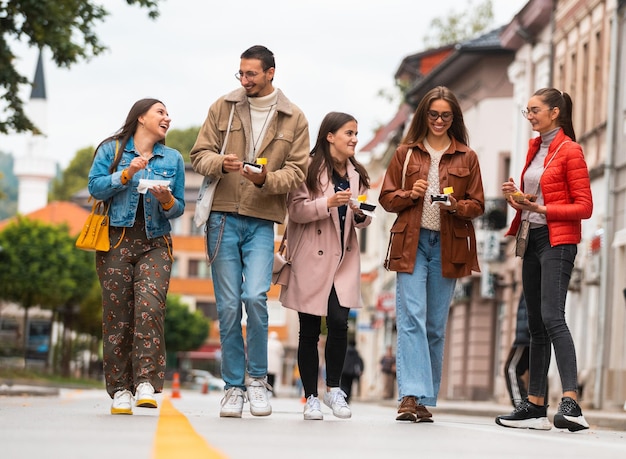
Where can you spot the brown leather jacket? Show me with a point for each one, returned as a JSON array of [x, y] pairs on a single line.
[[459, 169]]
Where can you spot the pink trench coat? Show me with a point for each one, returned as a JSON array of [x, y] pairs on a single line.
[[314, 246]]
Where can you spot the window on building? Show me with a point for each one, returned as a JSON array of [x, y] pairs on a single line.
[[198, 269]]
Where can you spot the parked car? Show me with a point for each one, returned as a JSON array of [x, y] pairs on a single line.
[[197, 379]]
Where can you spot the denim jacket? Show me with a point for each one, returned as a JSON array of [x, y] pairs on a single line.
[[166, 164]]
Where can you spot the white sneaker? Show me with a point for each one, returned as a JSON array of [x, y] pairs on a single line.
[[257, 396], [145, 395], [122, 402], [313, 409], [232, 403], [335, 399]]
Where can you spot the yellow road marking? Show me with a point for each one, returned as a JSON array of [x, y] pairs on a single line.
[[176, 438]]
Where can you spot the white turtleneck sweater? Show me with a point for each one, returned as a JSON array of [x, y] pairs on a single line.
[[261, 111]]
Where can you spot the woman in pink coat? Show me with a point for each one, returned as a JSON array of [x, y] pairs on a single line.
[[325, 260]]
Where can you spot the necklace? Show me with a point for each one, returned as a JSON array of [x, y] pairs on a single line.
[[148, 156], [262, 131]]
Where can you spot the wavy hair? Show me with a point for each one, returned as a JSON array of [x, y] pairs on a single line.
[[139, 108]]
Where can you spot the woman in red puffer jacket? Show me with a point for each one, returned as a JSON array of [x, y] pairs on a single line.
[[554, 197]]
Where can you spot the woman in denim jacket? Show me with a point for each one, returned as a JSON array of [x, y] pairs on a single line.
[[135, 273]]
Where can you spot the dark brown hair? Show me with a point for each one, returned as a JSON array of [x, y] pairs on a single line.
[[139, 108], [552, 97], [320, 153]]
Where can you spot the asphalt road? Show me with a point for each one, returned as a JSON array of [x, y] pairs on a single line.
[[77, 424]]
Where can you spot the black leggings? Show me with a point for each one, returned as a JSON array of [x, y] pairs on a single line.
[[336, 345]]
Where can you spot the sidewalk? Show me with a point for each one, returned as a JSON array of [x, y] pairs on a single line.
[[601, 419]]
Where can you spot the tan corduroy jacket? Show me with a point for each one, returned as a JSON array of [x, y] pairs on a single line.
[[285, 145]]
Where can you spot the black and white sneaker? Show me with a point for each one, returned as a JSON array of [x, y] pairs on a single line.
[[569, 416], [526, 415]]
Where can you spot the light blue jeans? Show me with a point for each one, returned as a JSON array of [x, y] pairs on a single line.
[[242, 273], [422, 304]]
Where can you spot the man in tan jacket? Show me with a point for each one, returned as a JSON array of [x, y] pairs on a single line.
[[266, 150]]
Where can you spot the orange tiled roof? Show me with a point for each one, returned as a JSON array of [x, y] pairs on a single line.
[[55, 213]]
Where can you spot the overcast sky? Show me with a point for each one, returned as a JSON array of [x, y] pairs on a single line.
[[331, 55]]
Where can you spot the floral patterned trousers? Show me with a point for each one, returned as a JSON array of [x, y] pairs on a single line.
[[134, 277]]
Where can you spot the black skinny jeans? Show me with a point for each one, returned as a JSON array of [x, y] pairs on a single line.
[[334, 352], [546, 273]]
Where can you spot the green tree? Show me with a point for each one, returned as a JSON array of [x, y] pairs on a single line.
[[182, 140], [184, 330], [8, 187], [41, 266], [74, 177], [67, 27], [459, 26]]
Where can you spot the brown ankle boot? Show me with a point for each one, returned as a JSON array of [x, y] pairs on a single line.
[[407, 411]]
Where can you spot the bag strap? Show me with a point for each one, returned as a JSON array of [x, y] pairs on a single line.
[[544, 169], [404, 168], [230, 122], [406, 165], [548, 163], [283, 244]]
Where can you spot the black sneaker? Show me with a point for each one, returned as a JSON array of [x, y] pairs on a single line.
[[569, 416], [526, 415]]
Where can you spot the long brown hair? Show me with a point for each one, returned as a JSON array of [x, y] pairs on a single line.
[[418, 130], [320, 154], [139, 108]]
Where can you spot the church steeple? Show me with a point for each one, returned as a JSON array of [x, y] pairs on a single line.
[[39, 83]]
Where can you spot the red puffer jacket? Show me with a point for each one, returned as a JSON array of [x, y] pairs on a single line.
[[565, 187]]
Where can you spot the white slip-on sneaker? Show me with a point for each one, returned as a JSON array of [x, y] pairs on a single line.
[[313, 409], [232, 403], [122, 402], [335, 399], [145, 395], [257, 396]]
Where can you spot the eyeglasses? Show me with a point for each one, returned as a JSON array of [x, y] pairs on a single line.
[[250, 76], [534, 111], [434, 116]]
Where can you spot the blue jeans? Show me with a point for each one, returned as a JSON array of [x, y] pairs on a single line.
[[546, 272], [422, 304], [242, 273]]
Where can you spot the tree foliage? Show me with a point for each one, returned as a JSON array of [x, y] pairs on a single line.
[[182, 140], [66, 27], [457, 27], [41, 266], [184, 330], [74, 177], [8, 187]]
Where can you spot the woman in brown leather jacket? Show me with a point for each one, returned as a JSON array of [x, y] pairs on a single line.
[[434, 185]]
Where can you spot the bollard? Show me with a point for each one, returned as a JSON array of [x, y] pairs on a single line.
[[205, 386]]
